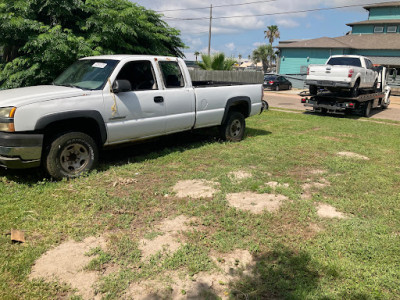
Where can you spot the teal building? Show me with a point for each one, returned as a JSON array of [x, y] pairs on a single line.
[[378, 38]]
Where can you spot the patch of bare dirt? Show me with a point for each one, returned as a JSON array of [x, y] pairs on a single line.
[[240, 175], [352, 155], [175, 285], [66, 262], [195, 189], [256, 203], [309, 187], [275, 184], [332, 138], [170, 240], [328, 211]]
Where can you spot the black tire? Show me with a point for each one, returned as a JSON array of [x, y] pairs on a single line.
[[367, 109], [277, 88], [385, 106], [234, 127], [375, 87], [70, 155], [265, 105], [290, 87], [355, 90], [313, 89]]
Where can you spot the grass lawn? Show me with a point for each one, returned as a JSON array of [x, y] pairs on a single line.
[[297, 253]]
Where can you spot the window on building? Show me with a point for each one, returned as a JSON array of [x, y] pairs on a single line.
[[378, 29], [392, 29]]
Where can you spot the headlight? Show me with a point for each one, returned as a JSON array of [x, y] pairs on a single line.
[[7, 119]]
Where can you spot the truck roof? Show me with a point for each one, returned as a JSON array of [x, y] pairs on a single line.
[[352, 56], [121, 57]]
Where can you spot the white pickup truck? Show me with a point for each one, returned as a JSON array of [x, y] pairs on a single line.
[[108, 100], [343, 72]]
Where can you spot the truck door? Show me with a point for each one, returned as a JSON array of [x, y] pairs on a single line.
[[370, 73], [138, 112], [179, 97]]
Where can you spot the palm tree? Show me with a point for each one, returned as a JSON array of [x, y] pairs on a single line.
[[263, 53], [240, 58], [272, 33], [216, 62], [196, 53]]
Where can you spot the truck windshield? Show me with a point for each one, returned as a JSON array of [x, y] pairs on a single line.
[[87, 74], [344, 61]]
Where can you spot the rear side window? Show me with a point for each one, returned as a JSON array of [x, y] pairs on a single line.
[[344, 61], [172, 74]]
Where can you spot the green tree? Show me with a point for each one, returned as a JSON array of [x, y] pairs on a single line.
[[40, 38], [263, 54], [196, 53], [217, 61], [272, 33]]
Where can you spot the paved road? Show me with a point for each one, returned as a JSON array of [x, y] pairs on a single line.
[[291, 100]]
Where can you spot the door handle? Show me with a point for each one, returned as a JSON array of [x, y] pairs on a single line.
[[158, 99]]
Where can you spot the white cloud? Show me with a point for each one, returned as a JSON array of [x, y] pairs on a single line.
[[230, 46]]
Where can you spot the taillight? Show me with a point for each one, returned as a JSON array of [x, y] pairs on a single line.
[[308, 71], [351, 73], [271, 82], [303, 100], [351, 104]]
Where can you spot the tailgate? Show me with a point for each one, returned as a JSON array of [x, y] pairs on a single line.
[[328, 72]]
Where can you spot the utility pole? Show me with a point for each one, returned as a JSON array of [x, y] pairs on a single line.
[[209, 32]]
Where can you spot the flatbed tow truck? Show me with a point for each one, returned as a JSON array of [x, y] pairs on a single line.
[[328, 102]]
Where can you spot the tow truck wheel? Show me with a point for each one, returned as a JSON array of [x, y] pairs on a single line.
[[70, 155], [233, 128], [367, 109]]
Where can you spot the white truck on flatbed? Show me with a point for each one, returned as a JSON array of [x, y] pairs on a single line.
[[343, 72], [107, 100]]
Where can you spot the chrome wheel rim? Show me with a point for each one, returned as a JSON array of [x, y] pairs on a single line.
[[74, 158], [236, 128]]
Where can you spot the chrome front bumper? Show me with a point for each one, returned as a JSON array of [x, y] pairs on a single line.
[[20, 151]]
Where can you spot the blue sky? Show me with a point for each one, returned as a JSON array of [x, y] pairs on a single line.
[[241, 35]]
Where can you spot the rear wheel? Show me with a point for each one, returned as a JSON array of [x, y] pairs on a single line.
[[313, 89], [277, 88], [367, 109], [234, 127], [70, 155], [355, 90]]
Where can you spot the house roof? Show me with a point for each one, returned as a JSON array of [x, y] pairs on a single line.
[[375, 22], [383, 4], [388, 41]]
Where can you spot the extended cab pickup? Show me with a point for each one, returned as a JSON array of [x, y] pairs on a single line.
[[343, 72], [107, 100]]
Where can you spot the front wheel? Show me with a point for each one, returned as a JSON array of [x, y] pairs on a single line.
[[367, 109], [234, 127], [70, 155]]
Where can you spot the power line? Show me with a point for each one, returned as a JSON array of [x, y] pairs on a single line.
[[216, 6], [270, 14]]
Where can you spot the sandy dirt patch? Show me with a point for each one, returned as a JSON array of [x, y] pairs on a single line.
[[309, 187], [170, 240], [173, 285], [66, 262], [352, 155], [256, 203], [195, 189], [275, 184], [328, 211]]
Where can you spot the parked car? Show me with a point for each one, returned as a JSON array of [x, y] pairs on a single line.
[[276, 82], [107, 100], [343, 72]]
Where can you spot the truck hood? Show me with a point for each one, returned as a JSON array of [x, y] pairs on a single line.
[[28, 95]]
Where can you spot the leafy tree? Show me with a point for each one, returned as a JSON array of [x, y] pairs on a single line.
[[272, 33], [40, 38], [217, 61], [264, 54]]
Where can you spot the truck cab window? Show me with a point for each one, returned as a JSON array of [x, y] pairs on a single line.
[[140, 74], [172, 74]]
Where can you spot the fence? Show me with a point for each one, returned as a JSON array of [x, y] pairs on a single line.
[[227, 76]]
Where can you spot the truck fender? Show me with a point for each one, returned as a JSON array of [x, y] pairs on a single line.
[[43, 122], [234, 102]]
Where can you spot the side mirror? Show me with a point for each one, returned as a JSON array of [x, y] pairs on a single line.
[[121, 85]]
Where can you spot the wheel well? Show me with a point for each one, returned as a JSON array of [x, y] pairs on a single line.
[[241, 107], [84, 125]]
